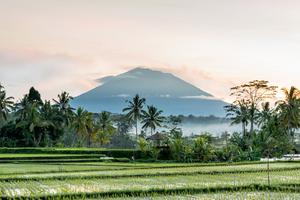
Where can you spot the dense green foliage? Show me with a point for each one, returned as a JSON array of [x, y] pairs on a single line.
[[268, 128]]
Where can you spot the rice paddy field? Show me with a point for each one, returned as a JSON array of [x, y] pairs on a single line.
[[86, 176]]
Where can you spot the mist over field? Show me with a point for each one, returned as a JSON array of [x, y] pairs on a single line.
[[215, 129]]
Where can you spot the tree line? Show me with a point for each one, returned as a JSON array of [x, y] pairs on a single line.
[[268, 126], [34, 122]]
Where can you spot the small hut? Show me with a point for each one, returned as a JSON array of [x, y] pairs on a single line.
[[158, 139]]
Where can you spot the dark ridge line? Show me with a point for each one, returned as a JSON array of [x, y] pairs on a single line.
[[33, 158], [50, 161]]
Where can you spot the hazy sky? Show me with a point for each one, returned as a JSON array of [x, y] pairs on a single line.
[[58, 45]]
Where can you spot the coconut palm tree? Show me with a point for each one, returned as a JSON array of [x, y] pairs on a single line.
[[134, 111], [239, 114], [63, 104], [80, 122], [152, 118], [105, 128], [63, 101], [91, 128], [289, 109], [6, 104], [52, 114], [264, 115], [105, 122], [33, 124], [22, 108]]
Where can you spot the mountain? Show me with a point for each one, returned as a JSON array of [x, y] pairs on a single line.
[[163, 90]]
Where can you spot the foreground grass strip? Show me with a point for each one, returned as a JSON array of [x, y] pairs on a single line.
[[11, 169], [8, 169], [243, 195], [157, 174], [98, 167], [65, 171], [163, 192]]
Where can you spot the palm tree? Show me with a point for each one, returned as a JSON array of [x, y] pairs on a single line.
[[52, 114], [34, 125], [63, 104], [91, 128], [152, 118], [239, 114], [290, 109], [263, 116], [134, 111], [105, 128], [80, 122], [105, 122], [22, 107], [6, 104], [63, 101]]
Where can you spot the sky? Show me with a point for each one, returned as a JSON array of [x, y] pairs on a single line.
[[58, 45]]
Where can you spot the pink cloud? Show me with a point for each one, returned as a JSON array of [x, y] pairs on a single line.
[[218, 85]]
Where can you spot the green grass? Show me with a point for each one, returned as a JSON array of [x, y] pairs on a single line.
[[135, 171], [148, 183], [112, 180], [245, 195]]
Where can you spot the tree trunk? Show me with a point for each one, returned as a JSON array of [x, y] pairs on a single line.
[[136, 132], [244, 129], [136, 140], [268, 168], [251, 126], [252, 119], [89, 140], [37, 140]]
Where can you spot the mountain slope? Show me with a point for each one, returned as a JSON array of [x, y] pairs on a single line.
[[164, 90]]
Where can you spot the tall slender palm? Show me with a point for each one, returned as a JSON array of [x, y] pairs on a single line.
[[63, 101], [134, 111], [6, 104], [90, 127], [80, 122], [23, 107], [37, 123], [263, 116], [152, 118], [290, 109], [52, 114], [239, 114], [105, 121], [63, 104], [33, 124], [105, 128]]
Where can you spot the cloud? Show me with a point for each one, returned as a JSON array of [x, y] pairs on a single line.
[[212, 44], [199, 97], [122, 95], [165, 95], [218, 84], [49, 73]]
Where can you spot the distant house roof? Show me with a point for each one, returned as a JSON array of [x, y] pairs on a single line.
[[157, 136]]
